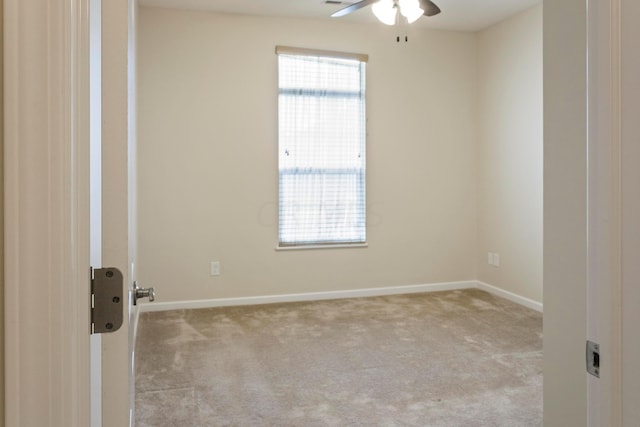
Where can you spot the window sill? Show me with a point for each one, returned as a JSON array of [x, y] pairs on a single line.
[[336, 246]]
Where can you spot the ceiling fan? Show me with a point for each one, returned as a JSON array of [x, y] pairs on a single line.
[[386, 10]]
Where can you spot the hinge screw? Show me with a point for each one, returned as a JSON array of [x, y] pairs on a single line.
[[109, 326]]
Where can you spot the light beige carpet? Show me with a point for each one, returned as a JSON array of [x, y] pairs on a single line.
[[459, 358]]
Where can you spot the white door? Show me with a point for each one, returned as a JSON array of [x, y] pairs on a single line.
[[110, 189], [118, 200]]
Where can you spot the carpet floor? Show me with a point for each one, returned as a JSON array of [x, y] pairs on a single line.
[[455, 358]]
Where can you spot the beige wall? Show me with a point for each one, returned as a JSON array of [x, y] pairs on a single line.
[[510, 154], [565, 206], [207, 165]]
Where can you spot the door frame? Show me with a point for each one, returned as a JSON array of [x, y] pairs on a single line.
[[604, 276], [46, 213]]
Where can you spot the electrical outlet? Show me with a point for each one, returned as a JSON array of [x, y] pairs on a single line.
[[215, 268], [493, 258]]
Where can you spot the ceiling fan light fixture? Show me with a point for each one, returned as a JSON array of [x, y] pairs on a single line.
[[385, 11], [411, 10]]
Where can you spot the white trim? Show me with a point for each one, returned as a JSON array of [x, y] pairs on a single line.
[[330, 246], [47, 230], [604, 279], [95, 193], [535, 305], [626, 340], [309, 296], [289, 50], [352, 293]]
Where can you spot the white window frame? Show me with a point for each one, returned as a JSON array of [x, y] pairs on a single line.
[[358, 238]]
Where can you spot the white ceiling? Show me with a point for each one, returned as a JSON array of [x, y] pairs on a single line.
[[463, 15]]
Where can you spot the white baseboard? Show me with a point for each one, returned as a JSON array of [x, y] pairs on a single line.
[[535, 305], [309, 296], [355, 293]]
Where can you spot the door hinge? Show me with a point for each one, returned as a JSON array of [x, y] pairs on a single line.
[[593, 358], [106, 300]]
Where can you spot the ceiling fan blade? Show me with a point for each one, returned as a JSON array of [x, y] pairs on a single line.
[[353, 7], [429, 7]]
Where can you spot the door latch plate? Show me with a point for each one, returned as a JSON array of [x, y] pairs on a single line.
[[593, 359], [106, 300]]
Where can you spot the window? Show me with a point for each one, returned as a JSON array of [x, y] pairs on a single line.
[[321, 161]]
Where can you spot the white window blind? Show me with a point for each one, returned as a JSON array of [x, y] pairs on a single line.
[[321, 114]]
